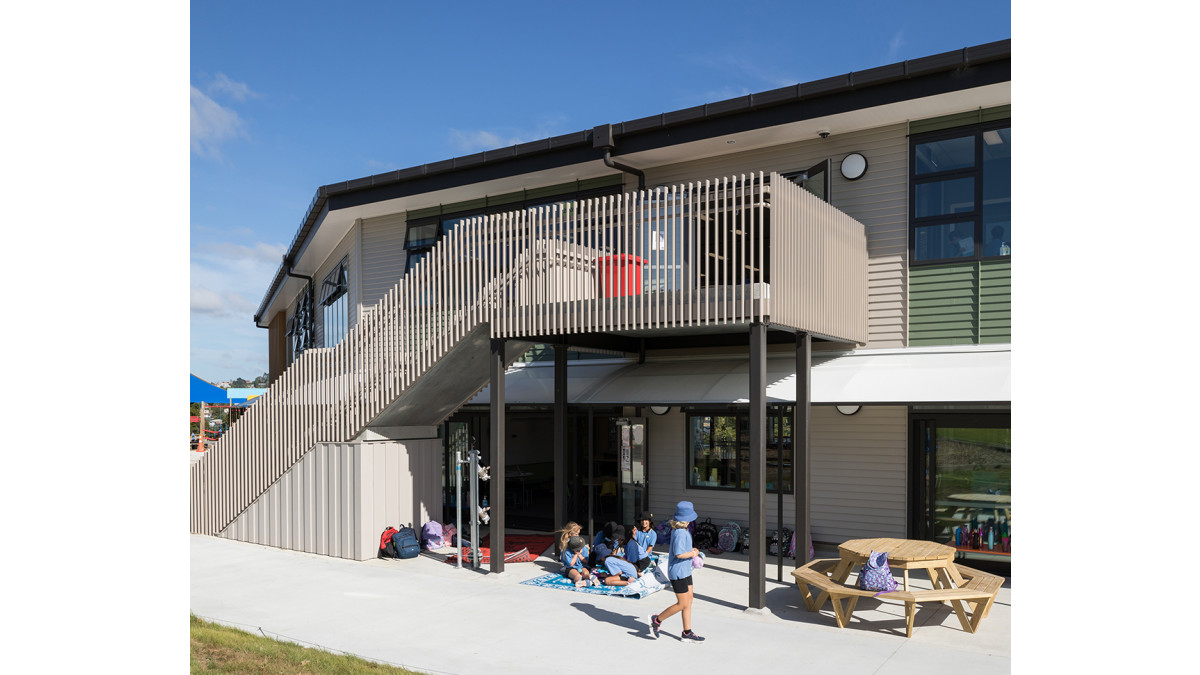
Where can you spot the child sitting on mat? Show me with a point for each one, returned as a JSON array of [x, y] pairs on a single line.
[[571, 529], [573, 562], [635, 552], [620, 571]]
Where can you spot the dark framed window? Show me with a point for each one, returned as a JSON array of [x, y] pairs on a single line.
[[719, 450], [960, 194], [335, 320]]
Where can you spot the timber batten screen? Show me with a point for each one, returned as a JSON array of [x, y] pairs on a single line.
[[722, 252]]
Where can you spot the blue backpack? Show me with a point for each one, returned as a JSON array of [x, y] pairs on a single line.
[[407, 545], [876, 575]]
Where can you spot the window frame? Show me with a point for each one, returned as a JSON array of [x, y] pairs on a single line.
[[741, 425], [335, 303], [975, 172]]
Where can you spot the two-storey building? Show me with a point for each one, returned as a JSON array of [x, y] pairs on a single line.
[[790, 308]]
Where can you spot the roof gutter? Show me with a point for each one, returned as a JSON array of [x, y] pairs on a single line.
[[288, 269], [602, 137]]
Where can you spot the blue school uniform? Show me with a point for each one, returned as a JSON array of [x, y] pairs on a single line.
[[681, 542], [646, 540], [634, 551], [615, 565], [568, 556]]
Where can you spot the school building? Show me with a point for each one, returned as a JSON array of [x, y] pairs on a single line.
[[791, 308]]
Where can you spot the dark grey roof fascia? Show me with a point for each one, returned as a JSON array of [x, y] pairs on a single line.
[[873, 77]]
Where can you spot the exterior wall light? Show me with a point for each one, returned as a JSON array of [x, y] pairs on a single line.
[[660, 409], [849, 409], [854, 165]]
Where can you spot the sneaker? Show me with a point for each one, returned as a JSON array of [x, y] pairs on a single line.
[[689, 636], [580, 584], [595, 582], [654, 625]]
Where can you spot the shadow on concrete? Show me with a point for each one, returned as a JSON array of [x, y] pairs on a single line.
[[635, 625]]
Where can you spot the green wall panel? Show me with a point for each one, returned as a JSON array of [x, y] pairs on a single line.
[[960, 303]]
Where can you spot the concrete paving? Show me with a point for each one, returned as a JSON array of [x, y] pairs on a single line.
[[428, 616]]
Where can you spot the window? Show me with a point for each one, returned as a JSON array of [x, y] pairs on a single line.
[[719, 450], [961, 473], [334, 316], [300, 326], [961, 194]]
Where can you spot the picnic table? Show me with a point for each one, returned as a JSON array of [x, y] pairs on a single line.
[[903, 554], [970, 592]]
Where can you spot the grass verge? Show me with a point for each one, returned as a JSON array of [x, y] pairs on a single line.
[[221, 649]]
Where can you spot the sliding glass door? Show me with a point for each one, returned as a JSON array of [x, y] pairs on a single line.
[[961, 473]]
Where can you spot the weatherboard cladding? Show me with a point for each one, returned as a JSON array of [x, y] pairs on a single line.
[[859, 475], [961, 303], [965, 66], [383, 256]]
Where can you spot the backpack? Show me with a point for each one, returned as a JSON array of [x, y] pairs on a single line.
[[431, 536], [407, 545], [727, 538], [450, 534], [791, 549], [387, 549], [706, 535], [775, 541], [876, 575]]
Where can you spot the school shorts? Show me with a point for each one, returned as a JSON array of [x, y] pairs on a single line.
[[642, 564], [681, 585]]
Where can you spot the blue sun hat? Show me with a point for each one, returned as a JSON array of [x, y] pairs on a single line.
[[684, 513]]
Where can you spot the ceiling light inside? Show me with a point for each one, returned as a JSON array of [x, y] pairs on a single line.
[[993, 137]]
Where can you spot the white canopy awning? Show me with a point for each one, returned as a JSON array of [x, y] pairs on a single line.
[[952, 374]]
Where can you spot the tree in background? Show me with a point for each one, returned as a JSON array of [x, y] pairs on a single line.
[[260, 382], [239, 383]]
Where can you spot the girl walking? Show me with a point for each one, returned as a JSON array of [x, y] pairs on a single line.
[[679, 571]]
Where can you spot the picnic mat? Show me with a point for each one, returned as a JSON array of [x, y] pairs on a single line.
[[517, 548], [645, 585]]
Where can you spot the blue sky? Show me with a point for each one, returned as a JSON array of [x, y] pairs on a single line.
[[286, 97]]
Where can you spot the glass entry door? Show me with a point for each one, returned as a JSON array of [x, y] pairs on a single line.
[[631, 466], [963, 478]]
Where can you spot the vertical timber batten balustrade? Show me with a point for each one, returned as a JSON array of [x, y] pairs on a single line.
[[731, 251]]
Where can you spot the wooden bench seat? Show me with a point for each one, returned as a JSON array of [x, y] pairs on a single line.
[[977, 593]]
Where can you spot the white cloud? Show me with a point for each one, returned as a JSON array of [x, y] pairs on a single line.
[[227, 280], [212, 125], [238, 91]]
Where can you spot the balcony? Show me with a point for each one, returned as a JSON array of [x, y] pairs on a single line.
[[681, 259]]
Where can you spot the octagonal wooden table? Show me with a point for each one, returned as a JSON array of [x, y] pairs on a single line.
[[903, 554]]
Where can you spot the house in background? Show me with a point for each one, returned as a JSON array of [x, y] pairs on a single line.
[[791, 308]]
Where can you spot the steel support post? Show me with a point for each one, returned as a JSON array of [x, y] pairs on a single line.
[[496, 382], [801, 454], [758, 465]]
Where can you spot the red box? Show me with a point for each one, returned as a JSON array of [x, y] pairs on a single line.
[[619, 275]]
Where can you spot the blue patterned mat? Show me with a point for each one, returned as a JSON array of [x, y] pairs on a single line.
[[645, 585]]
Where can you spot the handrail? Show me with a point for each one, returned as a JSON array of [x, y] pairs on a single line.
[[678, 256]]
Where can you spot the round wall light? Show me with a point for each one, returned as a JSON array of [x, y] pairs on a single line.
[[849, 409], [854, 165], [660, 409]]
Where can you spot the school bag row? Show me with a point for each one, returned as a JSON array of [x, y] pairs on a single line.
[[401, 543]]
